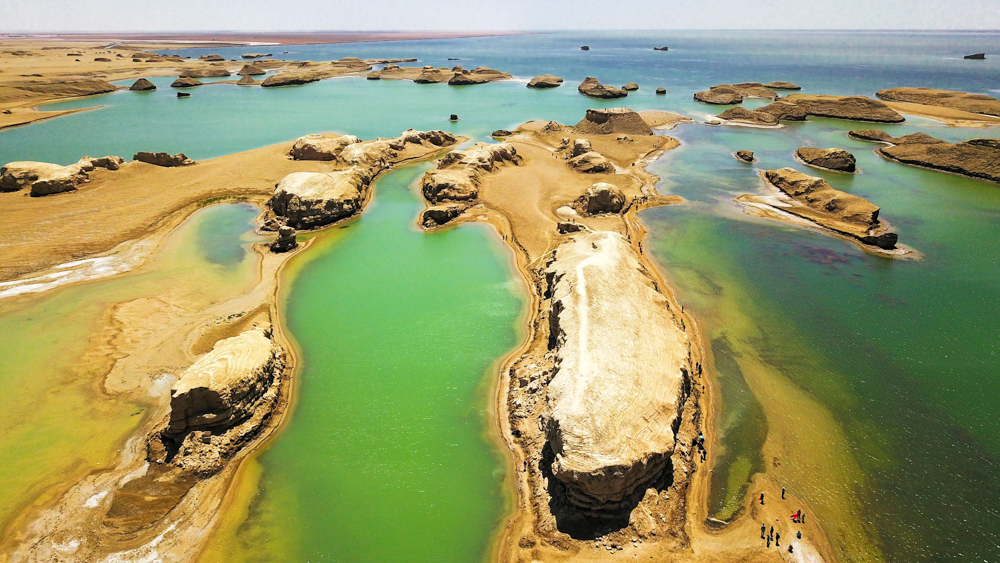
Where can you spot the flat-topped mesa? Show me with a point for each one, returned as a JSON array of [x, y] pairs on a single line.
[[612, 121], [782, 85], [727, 94], [212, 400], [544, 81], [975, 158], [458, 176], [973, 103], [455, 76], [621, 375], [815, 200], [837, 160], [784, 111], [743, 116], [202, 72], [880, 136], [321, 146], [592, 88], [308, 72], [480, 75], [45, 179], [186, 82], [163, 159], [857, 108]]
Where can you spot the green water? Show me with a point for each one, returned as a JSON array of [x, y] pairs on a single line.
[[385, 457], [901, 355], [57, 423]]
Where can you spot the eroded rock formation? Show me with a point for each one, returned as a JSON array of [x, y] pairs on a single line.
[[975, 158], [45, 179], [858, 108], [186, 82], [784, 111], [612, 121], [592, 88], [726, 94], [543, 81], [322, 146], [251, 70], [742, 115], [285, 240], [166, 160], [829, 159], [142, 85], [782, 85], [744, 156], [621, 372], [202, 72], [459, 173], [600, 198], [974, 103]]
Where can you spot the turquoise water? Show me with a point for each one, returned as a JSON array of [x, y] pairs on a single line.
[[819, 347]]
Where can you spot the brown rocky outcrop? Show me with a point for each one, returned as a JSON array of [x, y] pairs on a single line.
[[246, 81], [726, 94], [307, 200], [285, 240], [209, 58], [591, 163], [630, 87], [975, 158], [974, 103], [782, 85], [612, 121], [742, 115], [64, 88], [543, 81], [308, 72], [440, 215], [592, 88], [829, 159], [620, 376], [219, 403], [186, 83], [501, 133], [480, 75], [661, 91], [257, 55], [251, 70], [599, 199], [975, 57], [166, 160], [201, 72], [322, 146], [45, 179], [857, 108], [142, 85], [458, 175], [880, 136], [784, 111], [744, 156]]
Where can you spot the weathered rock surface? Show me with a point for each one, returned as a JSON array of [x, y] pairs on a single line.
[[545, 81], [814, 199], [439, 215], [322, 146], [246, 81], [592, 88], [829, 159], [630, 87], [186, 82], [210, 58], [880, 136], [480, 75], [726, 94], [782, 85], [975, 57], [459, 174], [45, 179], [307, 200], [742, 115], [142, 85], [745, 156], [163, 159], [251, 70], [612, 121], [308, 72], [661, 48], [599, 199], [621, 372], [501, 133], [858, 108], [285, 240], [591, 163], [202, 72], [975, 158], [256, 55], [65, 88], [661, 91], [975, 103], [219, 403], [784, 111]]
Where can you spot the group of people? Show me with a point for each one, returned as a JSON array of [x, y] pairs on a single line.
[[798, 517]]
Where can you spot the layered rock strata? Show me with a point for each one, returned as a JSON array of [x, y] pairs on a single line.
[[45, 179], [164, 159], [727, 94], [621, 372], [975, 158], [592, 88], [544, 81], [974, 103], [838, 160], [743, 116], [857, 108], [612, 121], [459, 173]]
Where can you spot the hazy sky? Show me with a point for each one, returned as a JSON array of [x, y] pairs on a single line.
[[302, 15]]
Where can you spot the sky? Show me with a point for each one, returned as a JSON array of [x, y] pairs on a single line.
[[368, 15]]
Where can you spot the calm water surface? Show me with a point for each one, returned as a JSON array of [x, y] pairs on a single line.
[[871, 382]]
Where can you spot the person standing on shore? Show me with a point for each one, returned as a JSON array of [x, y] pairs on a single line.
[[762, 499], [763, 529], [777, 540], [782, 493]]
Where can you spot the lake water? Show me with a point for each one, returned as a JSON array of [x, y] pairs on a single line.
[[868, 386]]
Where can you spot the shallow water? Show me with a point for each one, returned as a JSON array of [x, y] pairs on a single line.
[[872, 380], [385, 457], [56, 421]]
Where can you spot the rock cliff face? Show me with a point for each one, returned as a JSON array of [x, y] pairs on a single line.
[[975, 103], [784, 111], [47, 179], [219, 402], [748, 117], [599, 199], [858, 108], [323, 146], [592, 88], [829, 159], [725, 94], [163, 159], [543, 81], [621, 372], [612, 121], [307, 200], [459, 173], [285, 240], [975, 158]]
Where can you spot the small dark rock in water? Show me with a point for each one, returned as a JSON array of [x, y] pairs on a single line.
[[285, 240], [661, 48], [885, 241], [745, 156], [502, 133], [976, 57], [661, 91], [454, 117], [183, 94], [454, 59], [585, 48]]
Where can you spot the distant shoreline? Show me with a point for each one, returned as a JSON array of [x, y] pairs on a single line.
[[228, 38]]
